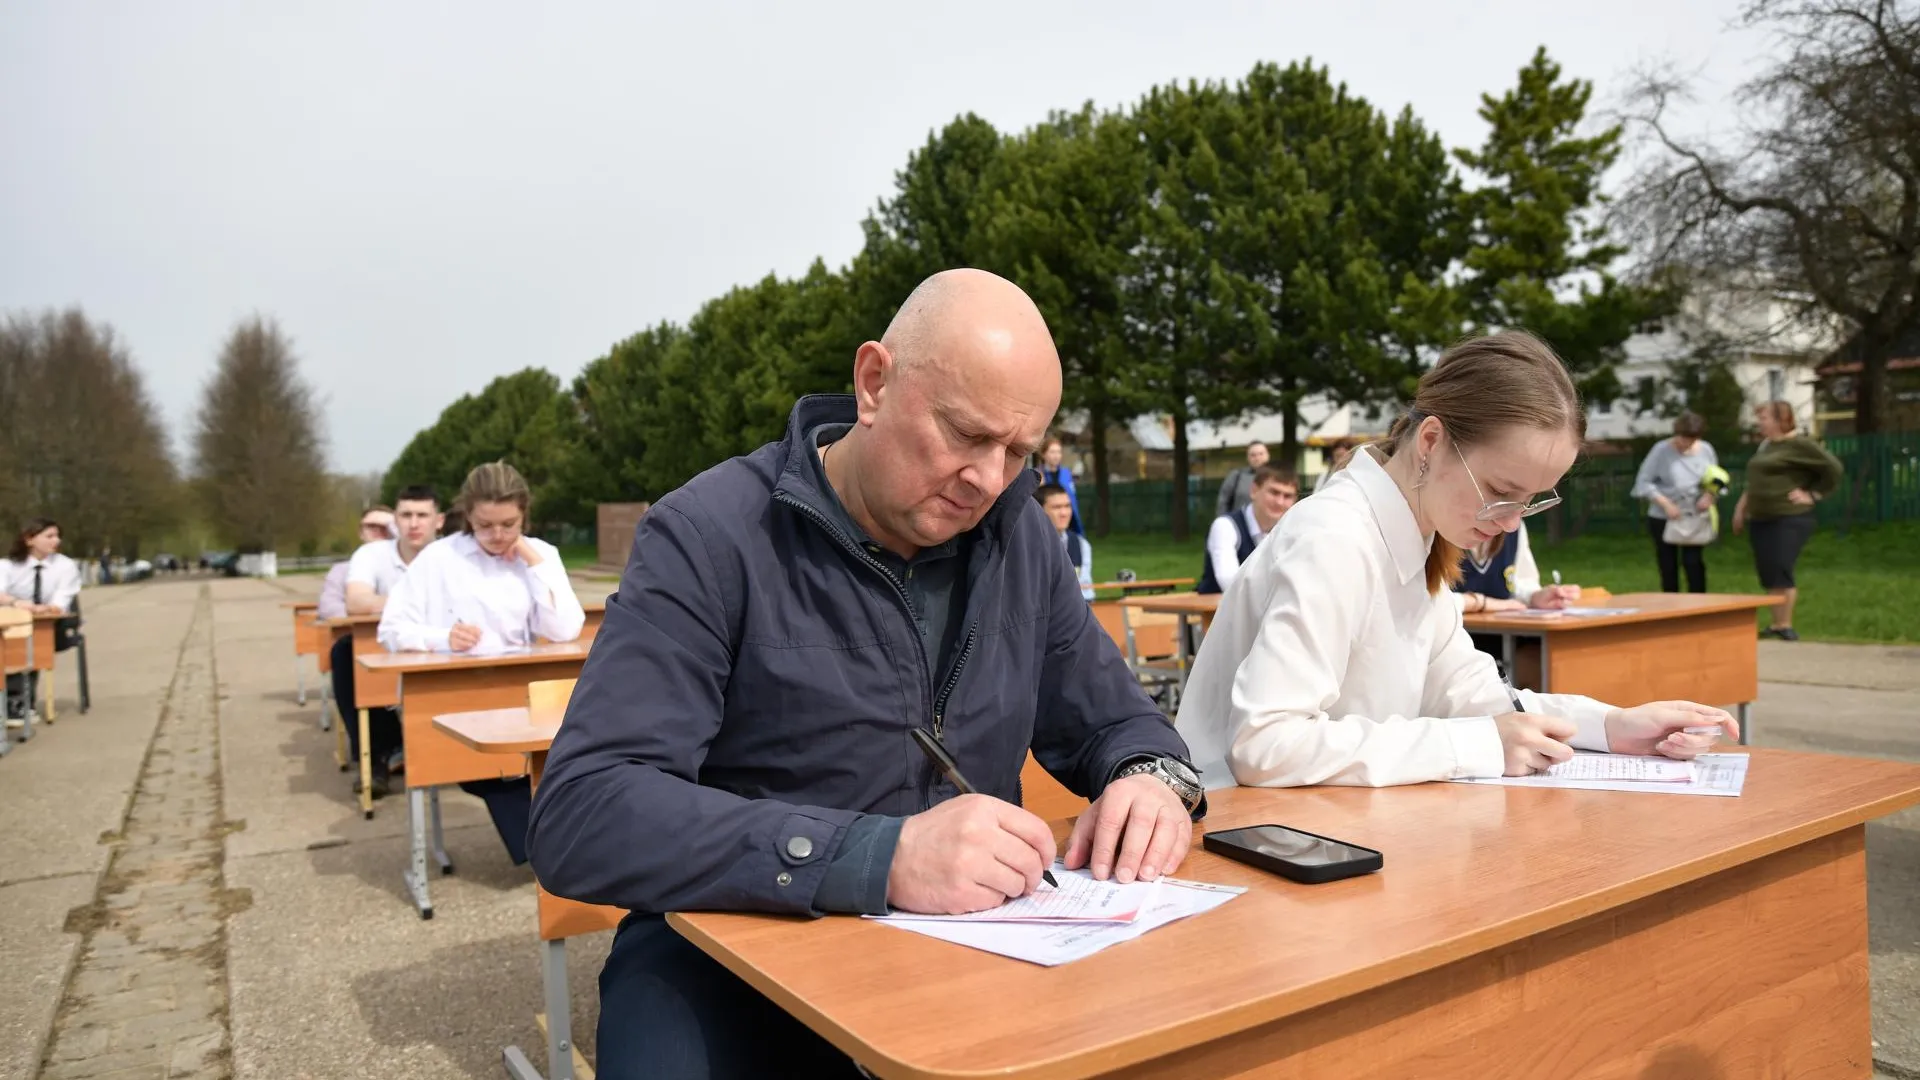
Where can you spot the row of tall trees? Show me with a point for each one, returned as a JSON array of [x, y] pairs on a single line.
[[1215, 249], [1222, 248], [82, 442]]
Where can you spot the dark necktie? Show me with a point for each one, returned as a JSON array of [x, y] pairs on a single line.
[[36, 583]]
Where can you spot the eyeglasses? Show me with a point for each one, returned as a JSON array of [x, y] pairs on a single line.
[[1494, 511]]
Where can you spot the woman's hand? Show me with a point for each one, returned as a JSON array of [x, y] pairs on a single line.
[[1666, 506], [526, 553], [1704, 502], [1554, 597], [1800, 497], [1658, 727]]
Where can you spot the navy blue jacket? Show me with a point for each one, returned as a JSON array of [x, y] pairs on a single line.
[[757, 675]]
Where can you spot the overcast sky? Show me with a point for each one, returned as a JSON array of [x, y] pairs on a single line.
[[430, 195]]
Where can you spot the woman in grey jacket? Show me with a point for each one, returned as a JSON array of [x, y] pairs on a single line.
[[1670, 480]]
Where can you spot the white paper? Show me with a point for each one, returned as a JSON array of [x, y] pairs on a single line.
[[1569, 612], [1078, 899], [1714, 774], [1651, 769], [1051, 944]]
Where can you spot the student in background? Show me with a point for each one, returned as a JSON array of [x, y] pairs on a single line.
[[1059, 507], [1233, 537], [1236, 491], [1499, 574], [1057, 474], [1339, 656], [375, 525], [373, 572], [1339, 452], [37, 577], [1786, 476], [487, 588]]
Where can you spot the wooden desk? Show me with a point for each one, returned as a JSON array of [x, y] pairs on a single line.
[[1144, 586], [427, 685], [520, 731], [16, 658], [43, 655], [1514, 932], [308, 640], [1189, 608], [1695, 646]]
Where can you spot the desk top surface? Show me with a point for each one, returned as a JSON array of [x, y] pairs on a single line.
[[591, 607], [499, 731], [1468, 868], [407, 663], [1180, 603], [1649, 607]]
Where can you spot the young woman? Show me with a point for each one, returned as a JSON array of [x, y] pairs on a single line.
[[1673, 480], [487, 588], [1786, 476], [36, 577], [1500, 574], [1338, 655]]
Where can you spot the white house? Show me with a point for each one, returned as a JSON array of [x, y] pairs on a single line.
[[1771, 350]]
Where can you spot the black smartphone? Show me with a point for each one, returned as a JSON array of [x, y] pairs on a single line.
[[1295, 855]]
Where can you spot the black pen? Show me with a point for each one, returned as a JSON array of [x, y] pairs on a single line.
[[945, 763]]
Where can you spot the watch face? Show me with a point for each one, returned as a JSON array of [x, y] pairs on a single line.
[[1179, 771]]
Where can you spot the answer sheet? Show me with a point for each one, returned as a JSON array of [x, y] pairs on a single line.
[[1052, 944], [1713, 774], [1079, 898]]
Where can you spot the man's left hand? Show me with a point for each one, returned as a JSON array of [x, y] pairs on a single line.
[[1137, 828]]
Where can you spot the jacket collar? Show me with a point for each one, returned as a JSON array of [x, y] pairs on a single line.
[[796, 480], [1393, 516]]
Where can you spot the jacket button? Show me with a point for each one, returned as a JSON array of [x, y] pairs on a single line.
[[784, 879], [799, 847]]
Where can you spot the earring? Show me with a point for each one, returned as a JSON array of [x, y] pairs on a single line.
[[1420, 481]]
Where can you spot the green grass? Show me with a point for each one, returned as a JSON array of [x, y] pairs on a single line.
[[1861, 587]]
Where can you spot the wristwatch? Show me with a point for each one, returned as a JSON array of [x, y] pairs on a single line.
[[1172, 772]]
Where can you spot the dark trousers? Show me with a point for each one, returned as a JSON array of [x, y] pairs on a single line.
[[22, 686], [383, 725], [510, 804], [668, 1012], [1672, 556]]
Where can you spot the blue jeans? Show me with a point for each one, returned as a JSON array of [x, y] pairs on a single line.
[[669, 1012]]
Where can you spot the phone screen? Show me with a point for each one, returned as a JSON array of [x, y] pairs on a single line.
[[1280, 842]]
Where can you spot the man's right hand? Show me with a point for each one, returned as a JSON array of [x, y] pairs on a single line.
[[968, 854], [463, 636], [1533, 741]]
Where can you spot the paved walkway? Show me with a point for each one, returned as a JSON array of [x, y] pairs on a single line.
[[190, 890]]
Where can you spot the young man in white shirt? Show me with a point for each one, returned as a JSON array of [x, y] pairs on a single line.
[[372, 574], [1058, 504], [1233, 536]]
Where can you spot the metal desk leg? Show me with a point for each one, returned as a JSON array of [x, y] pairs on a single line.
[[52, 710], [1507, 649], [1744, 711], [366, 767], [300, 677], [326, 707], [1546, 679], [416, 872], [439, 843], [553, 980]]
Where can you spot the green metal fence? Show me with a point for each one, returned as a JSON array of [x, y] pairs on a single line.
[[1881, 483]]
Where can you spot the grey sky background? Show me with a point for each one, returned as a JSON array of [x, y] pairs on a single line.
[[430, 195]]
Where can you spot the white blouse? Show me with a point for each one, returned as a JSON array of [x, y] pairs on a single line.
[[59, 580], [1330, 663], [454, 580]]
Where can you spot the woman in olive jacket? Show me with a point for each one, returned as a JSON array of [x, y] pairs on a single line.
[[1788, 474]]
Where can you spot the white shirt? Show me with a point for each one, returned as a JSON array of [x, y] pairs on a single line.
[[333, 592], [454, 580], [1085, 570], [1223, 543], [1330, 663], [59, 580], [377, 564]]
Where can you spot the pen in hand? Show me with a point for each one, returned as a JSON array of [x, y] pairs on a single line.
[[951, 769]]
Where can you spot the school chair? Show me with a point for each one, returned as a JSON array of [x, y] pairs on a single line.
[[559, 919], [1154, 655], [70, 635]]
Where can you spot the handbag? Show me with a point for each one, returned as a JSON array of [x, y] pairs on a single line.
[[1693, 528]]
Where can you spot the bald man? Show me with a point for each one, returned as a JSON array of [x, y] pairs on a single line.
[[741, 735]]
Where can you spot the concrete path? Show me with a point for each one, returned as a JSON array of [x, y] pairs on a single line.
[[194, 892]]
